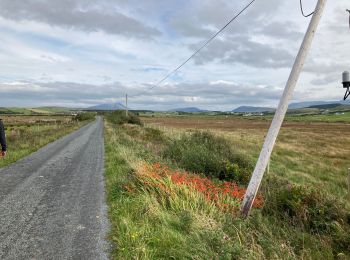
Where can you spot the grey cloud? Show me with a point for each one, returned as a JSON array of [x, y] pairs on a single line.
[[326, 73], [77, 14], [325, 80], [281, 31], [219, 95], [243, 50], [239, 43]]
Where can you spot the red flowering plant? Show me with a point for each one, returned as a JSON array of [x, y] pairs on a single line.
[[226, 196]]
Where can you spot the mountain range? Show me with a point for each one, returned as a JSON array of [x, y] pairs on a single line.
[[241, 109]]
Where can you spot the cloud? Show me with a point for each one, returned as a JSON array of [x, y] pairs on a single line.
[[219, 95], [78, 15], [83, 52]]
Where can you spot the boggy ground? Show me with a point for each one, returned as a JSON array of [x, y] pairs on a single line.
[[305, 152]]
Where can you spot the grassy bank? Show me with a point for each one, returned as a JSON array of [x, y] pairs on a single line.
[[27, 134], [159, 210]]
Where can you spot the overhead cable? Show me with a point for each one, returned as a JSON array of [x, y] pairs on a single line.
[[302, 10]]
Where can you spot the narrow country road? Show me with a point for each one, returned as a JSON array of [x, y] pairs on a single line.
[[52, 203]]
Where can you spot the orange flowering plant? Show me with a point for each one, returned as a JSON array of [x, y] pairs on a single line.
[[224, 195]]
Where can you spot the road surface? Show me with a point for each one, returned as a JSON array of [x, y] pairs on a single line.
[[52, 203]]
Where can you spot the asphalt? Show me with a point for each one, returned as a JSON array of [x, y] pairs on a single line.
[[52, 203]]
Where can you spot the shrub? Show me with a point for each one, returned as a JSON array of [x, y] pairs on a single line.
[[311, 208], [85, 116], [118, 117], [202, 152], [154, 135]]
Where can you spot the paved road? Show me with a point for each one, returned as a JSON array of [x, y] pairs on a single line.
[[52, 203]]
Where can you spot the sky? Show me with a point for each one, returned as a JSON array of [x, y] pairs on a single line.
[[80, 53]]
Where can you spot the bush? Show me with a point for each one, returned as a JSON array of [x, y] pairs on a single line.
[[154, 135], [118, 117], [85, 116], [202, 152], [316, 211]]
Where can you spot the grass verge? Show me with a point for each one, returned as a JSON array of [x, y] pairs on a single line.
[[155, 218]]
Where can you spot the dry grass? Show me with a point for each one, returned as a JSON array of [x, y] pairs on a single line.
[[305, 152]]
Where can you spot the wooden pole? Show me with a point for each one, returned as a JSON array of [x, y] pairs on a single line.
[[277, 121], [349, 181], [126, 105]]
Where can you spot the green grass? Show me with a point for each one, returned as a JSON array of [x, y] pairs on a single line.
[[26, 135], [150, 224]]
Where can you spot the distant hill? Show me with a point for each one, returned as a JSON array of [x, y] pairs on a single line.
[[107, 107], [316, 103], [250, 109], [326, 106], [187, 110]]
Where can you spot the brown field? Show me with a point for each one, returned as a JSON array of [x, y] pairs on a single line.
[[15, 120], [232, 124]]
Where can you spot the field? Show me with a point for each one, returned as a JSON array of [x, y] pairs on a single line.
[[174, 189], [306, 152], [37, 111], [26, 134]]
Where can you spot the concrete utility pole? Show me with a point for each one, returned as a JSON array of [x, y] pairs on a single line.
[[126, 105], [280, 112]]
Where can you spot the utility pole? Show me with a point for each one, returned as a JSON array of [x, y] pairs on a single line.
[[349, 181], [126, 105], [277, 121]]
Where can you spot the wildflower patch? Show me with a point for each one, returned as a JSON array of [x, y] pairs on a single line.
[[226, 196]]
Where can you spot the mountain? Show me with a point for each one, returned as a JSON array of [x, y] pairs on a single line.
[[309, 104], [315, 103], [249, 109], [187, 110], [107, 107], [326, 106]]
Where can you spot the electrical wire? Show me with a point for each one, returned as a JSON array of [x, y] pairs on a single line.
[[198, 50], [302, 11]]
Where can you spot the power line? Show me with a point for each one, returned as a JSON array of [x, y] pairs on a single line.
[[198, 50], [302, 11]]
